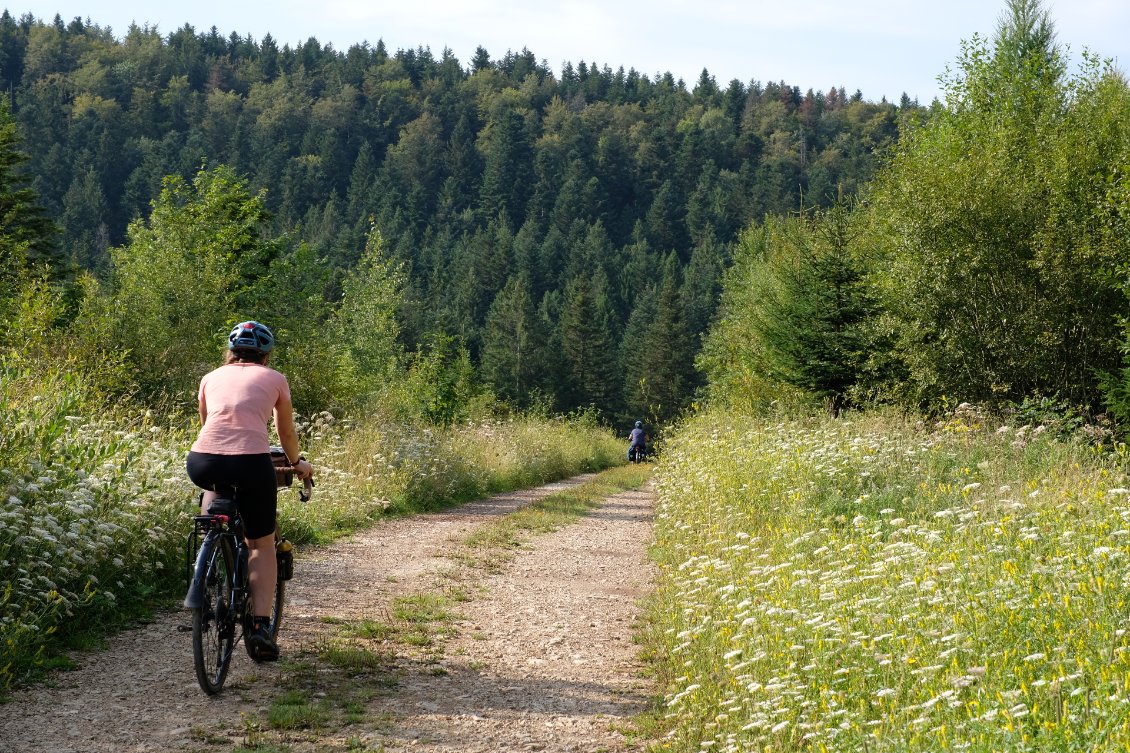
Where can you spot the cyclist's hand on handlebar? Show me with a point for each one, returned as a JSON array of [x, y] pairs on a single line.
[[303, 469]]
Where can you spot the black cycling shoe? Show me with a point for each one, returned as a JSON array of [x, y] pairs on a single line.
[[260, 646]]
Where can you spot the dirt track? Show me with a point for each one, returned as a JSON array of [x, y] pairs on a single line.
[[539, 658]]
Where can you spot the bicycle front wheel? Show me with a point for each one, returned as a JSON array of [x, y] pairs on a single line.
[[213, 622]]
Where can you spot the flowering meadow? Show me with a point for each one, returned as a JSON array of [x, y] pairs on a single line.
[[95, 507], [868, 584]]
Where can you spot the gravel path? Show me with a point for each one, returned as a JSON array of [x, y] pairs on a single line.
[[540, 658]]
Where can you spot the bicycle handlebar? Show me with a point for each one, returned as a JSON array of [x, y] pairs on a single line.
[[284, 473]]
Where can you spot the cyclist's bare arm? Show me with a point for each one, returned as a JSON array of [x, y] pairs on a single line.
[[288, 436]]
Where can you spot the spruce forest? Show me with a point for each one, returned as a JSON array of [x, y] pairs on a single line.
[[555, 240]]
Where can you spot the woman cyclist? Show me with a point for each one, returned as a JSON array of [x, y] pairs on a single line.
[[233, 452]]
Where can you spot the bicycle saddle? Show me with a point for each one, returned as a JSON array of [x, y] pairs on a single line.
[[222, 506]]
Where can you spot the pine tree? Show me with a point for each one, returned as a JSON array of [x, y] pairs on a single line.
[[507, 171], [635, 363], [85, 232], [1026, 38], [665, 219], [702, 286], [27, 235], [659, 367], [513, 343], [587, 347], [798, 311], [13, 44], [813, 329]]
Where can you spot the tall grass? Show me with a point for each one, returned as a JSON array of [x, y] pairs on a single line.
[[83, 503], [872, 585], [373, 469], [95, 506]]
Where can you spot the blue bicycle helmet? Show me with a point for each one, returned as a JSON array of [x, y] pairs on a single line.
[[639, 424], [251, 336]]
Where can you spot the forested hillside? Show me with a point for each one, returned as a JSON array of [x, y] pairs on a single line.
[[563, 235], [987, 262]]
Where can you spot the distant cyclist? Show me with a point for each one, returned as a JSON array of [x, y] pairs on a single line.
[[233, 452], [637, 441]]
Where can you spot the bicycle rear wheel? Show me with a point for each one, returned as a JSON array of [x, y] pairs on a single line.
[[213, 622]]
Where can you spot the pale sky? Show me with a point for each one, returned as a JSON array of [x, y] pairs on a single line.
[[880, 47]]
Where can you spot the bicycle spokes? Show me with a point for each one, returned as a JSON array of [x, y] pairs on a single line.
[[213, 624]]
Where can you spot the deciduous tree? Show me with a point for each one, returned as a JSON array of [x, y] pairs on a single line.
[[994, 214]]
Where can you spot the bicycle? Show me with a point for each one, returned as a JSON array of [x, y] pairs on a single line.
[[219, 596]]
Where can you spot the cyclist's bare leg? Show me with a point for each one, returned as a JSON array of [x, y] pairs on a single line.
[[264, 568], [207, 500]]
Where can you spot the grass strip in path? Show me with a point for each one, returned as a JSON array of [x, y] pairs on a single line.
[[492, 545], [363, 654], [421, 617]]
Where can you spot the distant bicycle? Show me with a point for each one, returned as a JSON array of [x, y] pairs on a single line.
[[219, 595], [638, 440]]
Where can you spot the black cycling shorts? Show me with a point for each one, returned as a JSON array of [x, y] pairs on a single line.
[[250, 479]]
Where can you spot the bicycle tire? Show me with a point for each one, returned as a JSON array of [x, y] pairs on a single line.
[[280, 587], [213, 622]]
